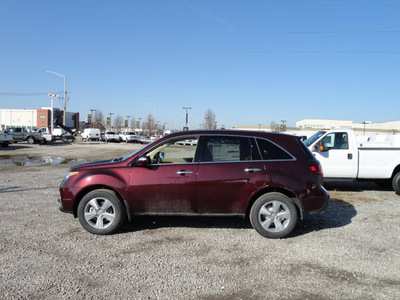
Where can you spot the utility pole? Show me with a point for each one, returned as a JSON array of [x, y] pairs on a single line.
[[92, 110]]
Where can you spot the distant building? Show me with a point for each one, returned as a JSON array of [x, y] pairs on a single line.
[[33, 119], [380, 127]]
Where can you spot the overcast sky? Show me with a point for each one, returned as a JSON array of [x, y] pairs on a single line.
[[251, 62]]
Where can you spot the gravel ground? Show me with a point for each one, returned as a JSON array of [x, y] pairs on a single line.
[[349, 252]]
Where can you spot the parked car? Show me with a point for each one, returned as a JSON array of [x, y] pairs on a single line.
[[271, 178], [110, 136], [145, 140], [129, 137], [21, 134], [91, 134]]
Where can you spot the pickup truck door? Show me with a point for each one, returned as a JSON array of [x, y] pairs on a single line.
[[339, 158]]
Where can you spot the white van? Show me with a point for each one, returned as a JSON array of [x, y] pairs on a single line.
[[91, 134]]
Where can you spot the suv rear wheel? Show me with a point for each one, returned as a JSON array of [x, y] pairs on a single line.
[[273, 215], [101, 212]]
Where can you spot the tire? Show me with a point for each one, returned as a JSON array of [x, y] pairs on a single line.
[[396, 183], [273, 215], [4, 145], [30, 140], [101, 212]]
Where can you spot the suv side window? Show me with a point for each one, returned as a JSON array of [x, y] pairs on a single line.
[[336, 140], [176, 151], [227, 148], [270, 151]]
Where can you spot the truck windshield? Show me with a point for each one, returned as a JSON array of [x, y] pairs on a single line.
[[313, 138]]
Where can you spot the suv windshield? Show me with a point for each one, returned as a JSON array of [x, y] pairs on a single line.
[[313, 138]]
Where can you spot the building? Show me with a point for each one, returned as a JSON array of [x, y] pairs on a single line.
[[390, 127], [33, 119]]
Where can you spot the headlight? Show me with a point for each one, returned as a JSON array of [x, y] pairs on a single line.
[[70, 174]]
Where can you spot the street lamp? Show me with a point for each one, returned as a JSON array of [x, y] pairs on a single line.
[[92, 110], [128, 121], [111, 120], [259, 127], [52, 96], [65, 92], [366, 122], [187, 116]]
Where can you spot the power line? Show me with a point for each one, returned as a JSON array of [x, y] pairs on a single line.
[[200, 51], [202, 7], [200, 32], [27, 94]]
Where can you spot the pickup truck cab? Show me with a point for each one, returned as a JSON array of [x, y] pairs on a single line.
[[342, 157], [21, 134]]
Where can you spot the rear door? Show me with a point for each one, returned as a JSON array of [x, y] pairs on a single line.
[[230, 171]]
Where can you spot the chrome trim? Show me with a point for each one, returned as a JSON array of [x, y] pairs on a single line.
[[250, 170], [184, 172]]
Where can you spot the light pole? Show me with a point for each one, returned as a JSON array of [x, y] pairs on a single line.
[[366, 122], [92, 110], [52, 96], [128, 121], [111, 120], [187, 117], [65, 92], [259, 127]]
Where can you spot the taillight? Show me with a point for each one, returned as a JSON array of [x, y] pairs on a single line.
[[316, 169]]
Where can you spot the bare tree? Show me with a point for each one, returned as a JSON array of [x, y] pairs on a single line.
[[150, 123], [274, 126], [118, 122], [133, 124], [98, 119], [209, 119]]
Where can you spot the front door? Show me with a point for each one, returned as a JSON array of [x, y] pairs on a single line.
[[168, 183], [337, 159]]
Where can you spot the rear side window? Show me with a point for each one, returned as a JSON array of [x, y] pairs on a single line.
[[227, 148], [270, 151]]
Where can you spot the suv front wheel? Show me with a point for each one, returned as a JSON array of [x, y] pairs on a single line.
[[273, 215], [101, 212]]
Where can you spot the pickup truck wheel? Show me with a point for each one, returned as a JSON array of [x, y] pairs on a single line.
[[101, 212], [396, 183], [30, 140], [4, 145], [273, 215]]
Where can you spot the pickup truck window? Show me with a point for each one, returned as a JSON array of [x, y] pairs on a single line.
[[308, 142], [337, 140]]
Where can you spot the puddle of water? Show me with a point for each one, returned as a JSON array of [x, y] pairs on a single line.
[[27, 161]]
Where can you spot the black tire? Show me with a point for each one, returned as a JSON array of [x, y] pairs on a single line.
[[101, 212], [5, 145], [396, 183], [30, 140], [273, 215]]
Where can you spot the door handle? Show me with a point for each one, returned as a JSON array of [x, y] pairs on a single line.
[[182, 172], [250, 170]]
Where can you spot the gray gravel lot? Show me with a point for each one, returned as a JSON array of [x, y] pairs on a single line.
[[349, 252]]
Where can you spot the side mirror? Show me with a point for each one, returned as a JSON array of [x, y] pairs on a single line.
[[319, 147], [161, 155], [142, 161]]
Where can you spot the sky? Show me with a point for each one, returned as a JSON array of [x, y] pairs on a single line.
[[250, 62]]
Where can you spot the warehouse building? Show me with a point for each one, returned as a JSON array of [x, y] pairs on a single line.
[[33, 119]]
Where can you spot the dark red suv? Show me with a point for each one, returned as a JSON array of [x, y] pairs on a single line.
[[271, 178]]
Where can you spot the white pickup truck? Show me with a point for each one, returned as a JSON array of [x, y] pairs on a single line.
[[342, 157]]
